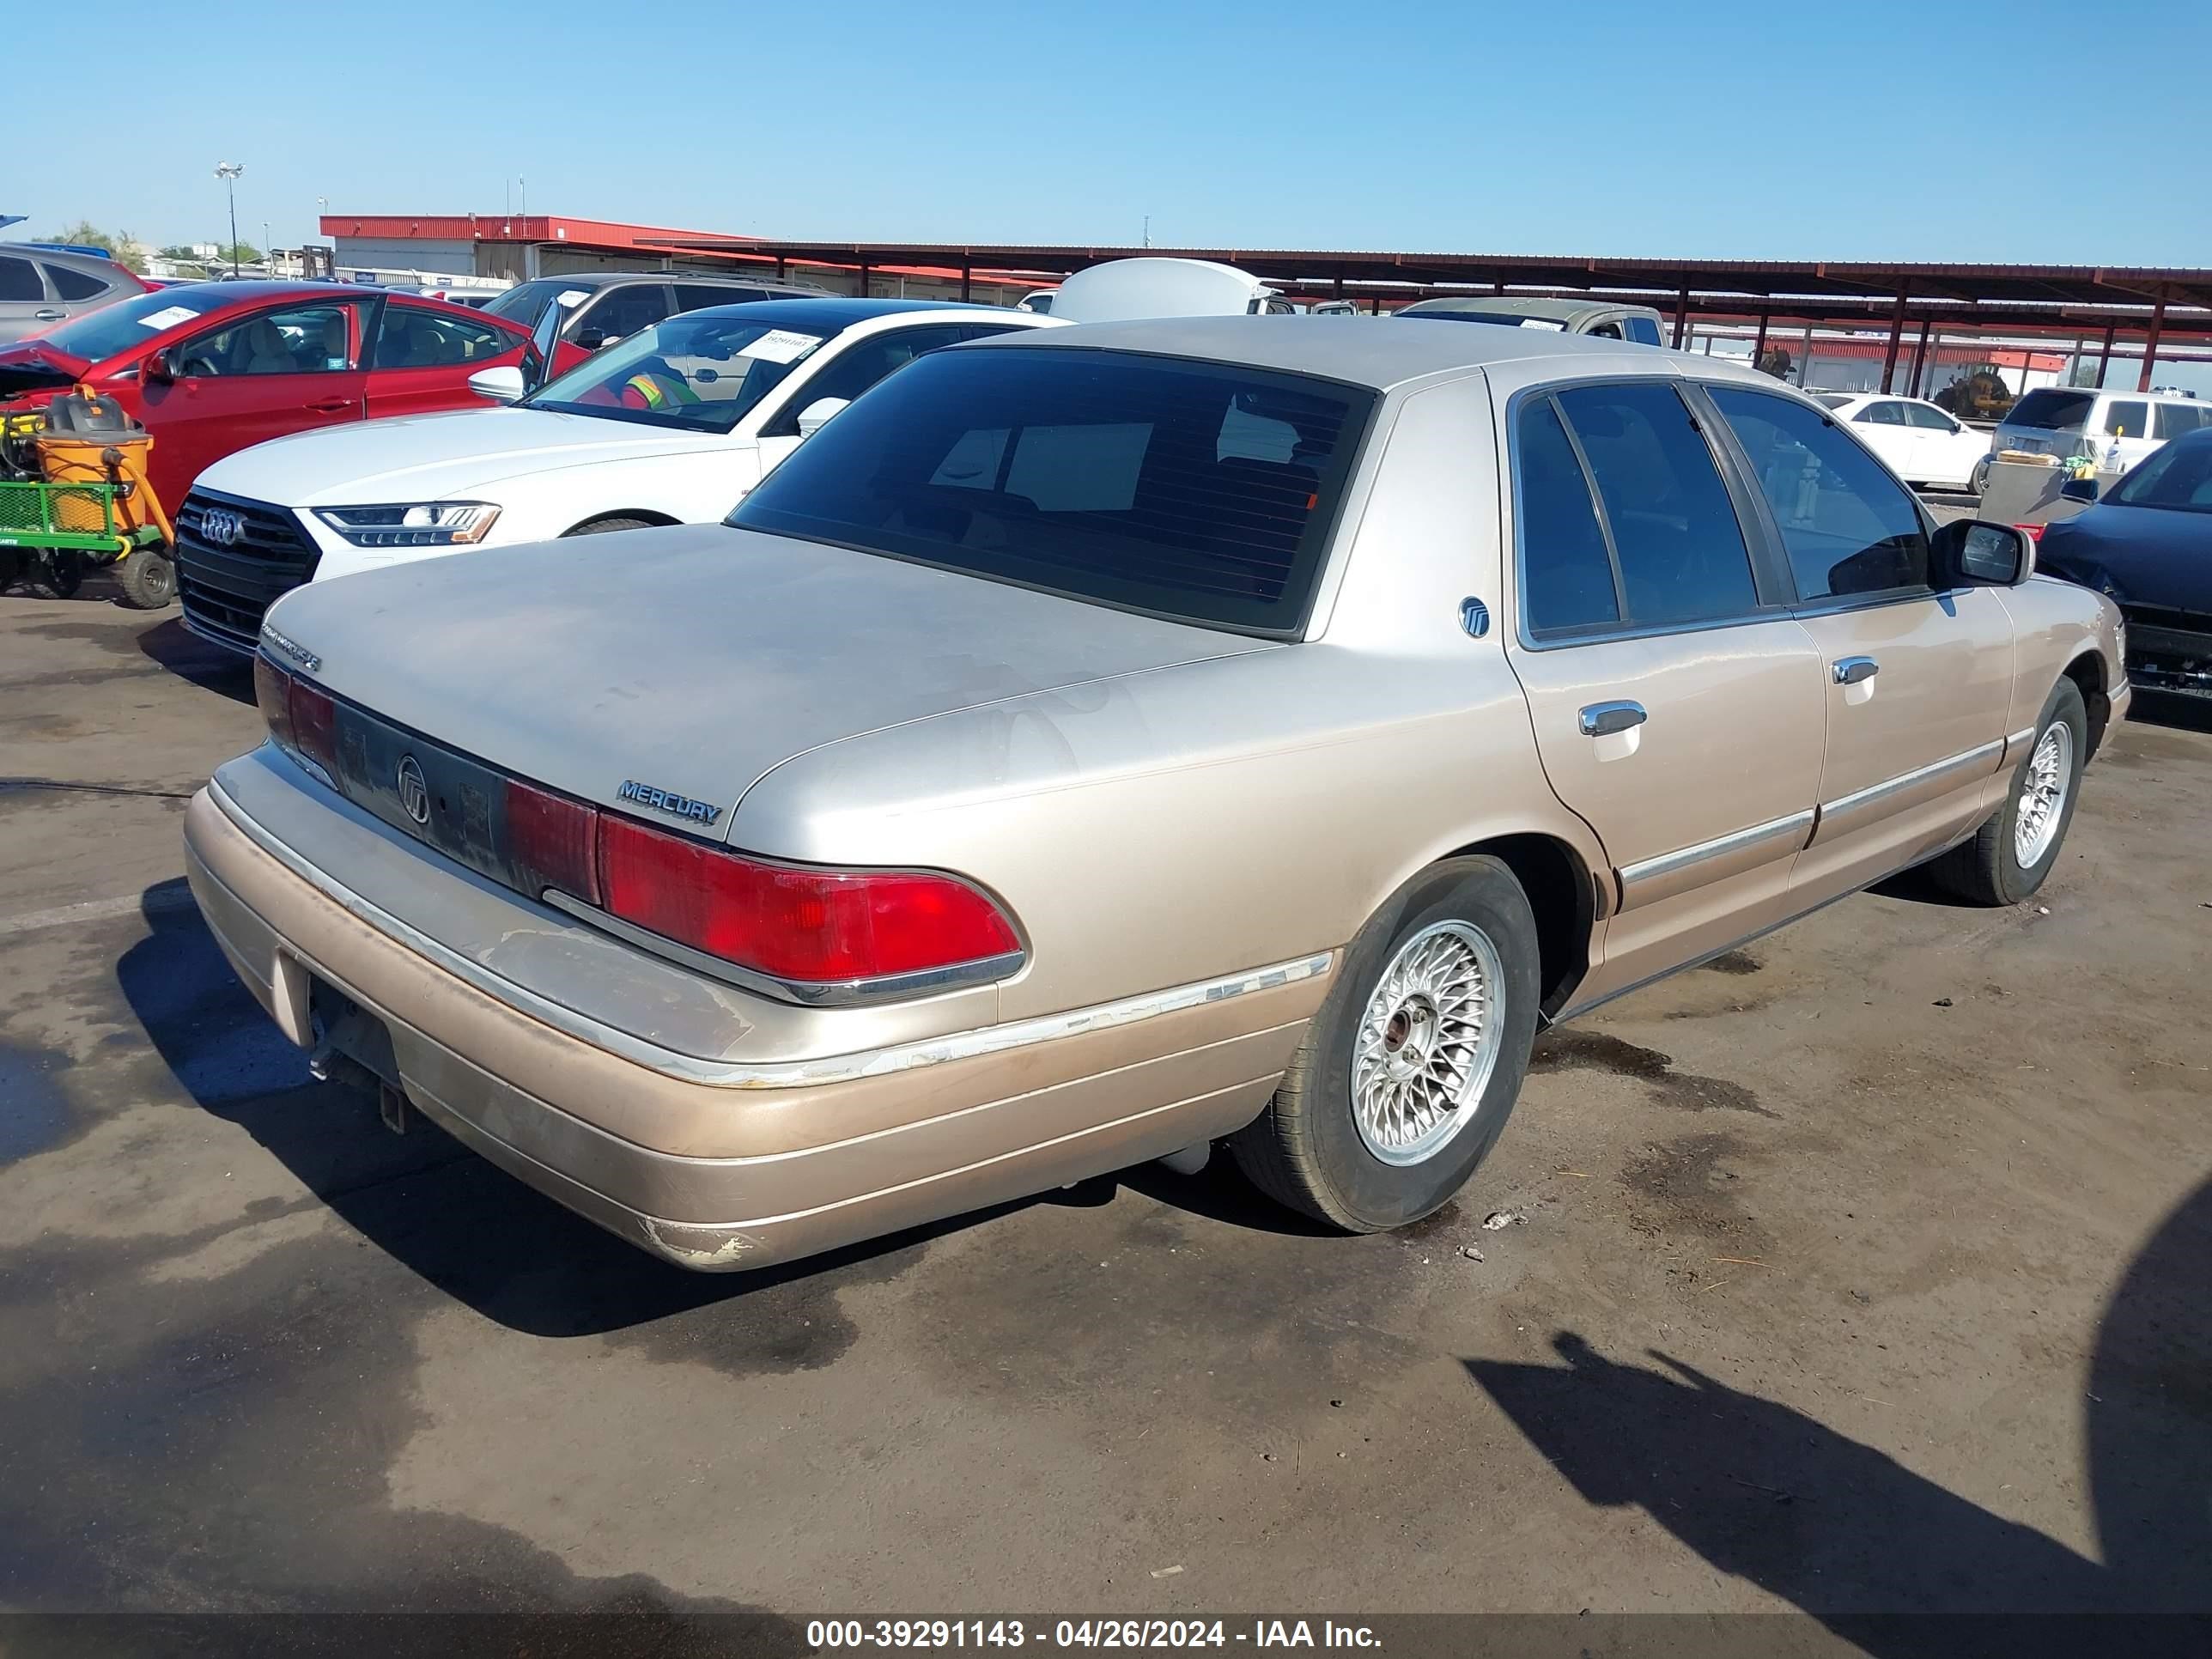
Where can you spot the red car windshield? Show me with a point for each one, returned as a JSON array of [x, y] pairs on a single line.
[[128, 323]]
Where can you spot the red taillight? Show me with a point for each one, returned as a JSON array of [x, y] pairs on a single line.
[[315, 725], [2034, 531], [551, 842], [809, 926], [272, 689]]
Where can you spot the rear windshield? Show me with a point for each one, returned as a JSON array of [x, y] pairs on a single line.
[[1202, 493], [2053, 410], [1833, 399], [2179, 476], [1504, 318], [524, 302]]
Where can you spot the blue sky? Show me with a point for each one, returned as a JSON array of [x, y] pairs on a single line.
[[2027, 132]]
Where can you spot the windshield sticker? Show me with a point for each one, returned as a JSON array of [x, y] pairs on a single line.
[[168, 316], [1544, 323], [573, 297], [781, 345]]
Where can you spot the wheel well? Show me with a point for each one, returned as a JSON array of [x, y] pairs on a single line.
[[644, 512], [2087, 673], [1560, 892]]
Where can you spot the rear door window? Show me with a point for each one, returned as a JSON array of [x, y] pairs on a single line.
[[696, 296], [70, 283], [1929, 417], [416, 337], [620, 313], [1679, 551], [19, 280], [1850, 529], [1108, 477], [2127, 418], [1882, 414], [2174, 419], [1566, 567]]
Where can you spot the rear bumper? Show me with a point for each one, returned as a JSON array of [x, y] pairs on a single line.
[[899, 1138]]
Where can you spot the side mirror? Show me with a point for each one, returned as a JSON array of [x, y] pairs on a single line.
[[816, 415], [2079, 490], [1973, 553], [161, 368], [502, 384]]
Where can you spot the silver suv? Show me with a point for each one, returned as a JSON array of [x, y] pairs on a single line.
[[606, 306], [2070, 421], [40, 288]]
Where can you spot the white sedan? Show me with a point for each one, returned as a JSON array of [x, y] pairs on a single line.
[[670, 426], [1922, 443]]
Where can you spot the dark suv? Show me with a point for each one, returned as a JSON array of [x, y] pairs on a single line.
[[618, 303]]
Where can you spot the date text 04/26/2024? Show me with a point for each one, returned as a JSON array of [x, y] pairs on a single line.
[[829, 1634]]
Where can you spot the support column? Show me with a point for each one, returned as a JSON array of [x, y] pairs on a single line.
[[967, 278], [1896, 339], [1919, 357], [2150, 346], [1759, 345], [779, 267], [864, 279], [1682, 316], [2105, 357]]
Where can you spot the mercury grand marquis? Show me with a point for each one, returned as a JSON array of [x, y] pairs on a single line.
[[1104, 743]]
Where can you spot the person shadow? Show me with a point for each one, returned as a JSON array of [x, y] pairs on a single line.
[[1887, 1557]]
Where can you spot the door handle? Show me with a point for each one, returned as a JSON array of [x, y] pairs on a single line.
[[1850, 671], [330, 405], [1602, 719], [48, 315]]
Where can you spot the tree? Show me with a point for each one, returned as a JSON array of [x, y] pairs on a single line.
[[122, 245], [245, 254]]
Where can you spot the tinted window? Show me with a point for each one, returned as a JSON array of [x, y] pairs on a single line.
[[1833, 399], [861, 365], [1566, 574], [413, 337], [74, 284], [523, 302], [1605, 331], [1104, 475], [297, 340], [695, 296], [2129, 419], [1642, 330], [620, 313], [1880, 415], [1849, 527], [1680, 550], [2174, 419], [1927, 415], [2179, 476], [19, 280], [2052, 410]]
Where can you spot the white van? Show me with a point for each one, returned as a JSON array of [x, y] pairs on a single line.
[[2070, 421]]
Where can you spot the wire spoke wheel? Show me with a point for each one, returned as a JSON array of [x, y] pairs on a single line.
[[1428, 1041], [2041, 800]]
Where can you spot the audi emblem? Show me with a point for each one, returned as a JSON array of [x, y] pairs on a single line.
[[221, 527], [413, 792]]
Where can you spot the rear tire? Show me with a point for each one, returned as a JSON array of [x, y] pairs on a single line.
[[2016, 848], [1411, 1068], [617, 522], [1978, 480], [147, 578], [54, 575]]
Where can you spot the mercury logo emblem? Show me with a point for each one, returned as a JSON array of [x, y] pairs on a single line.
[[413, 792]]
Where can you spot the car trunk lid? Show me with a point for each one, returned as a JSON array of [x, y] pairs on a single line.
[[661, 672]]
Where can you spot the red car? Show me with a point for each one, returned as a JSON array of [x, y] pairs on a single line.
[[211, 368]]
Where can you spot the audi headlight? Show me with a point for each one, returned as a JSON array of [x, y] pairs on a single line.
[[422, 524]]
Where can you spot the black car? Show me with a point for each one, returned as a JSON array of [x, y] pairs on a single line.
[[2148, 547]]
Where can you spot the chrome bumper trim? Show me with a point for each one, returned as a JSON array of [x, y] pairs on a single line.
[[776, 1074]]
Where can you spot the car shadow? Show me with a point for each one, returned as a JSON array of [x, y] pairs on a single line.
[[203, 662], [2170, 709], [1848, 1534], [428, 1202]]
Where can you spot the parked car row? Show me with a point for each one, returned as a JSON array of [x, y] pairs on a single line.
[[1092, 743]]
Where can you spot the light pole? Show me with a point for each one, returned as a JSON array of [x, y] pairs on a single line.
[[268, 253], [228, 171]]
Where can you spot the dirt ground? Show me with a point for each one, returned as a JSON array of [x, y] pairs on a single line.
[[1864, 1272]]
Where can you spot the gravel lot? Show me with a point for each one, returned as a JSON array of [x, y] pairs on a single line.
[[1863, 1272]]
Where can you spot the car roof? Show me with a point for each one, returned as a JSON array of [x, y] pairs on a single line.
[[1505, 305], [56, 255], [1357, 351], [607, 278], [833, 312]]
